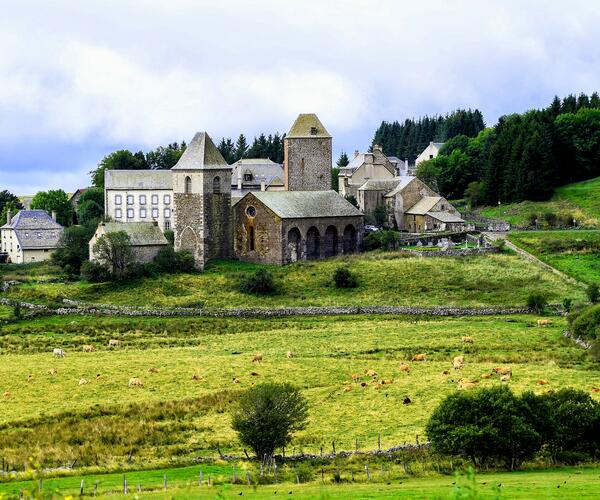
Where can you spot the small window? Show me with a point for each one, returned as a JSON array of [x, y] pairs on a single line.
[[142, 213], [167, 225], [39, 236], [167, 213], [155, 213], [130, 199], [247, 177], [188, 185], [313, 130], [217, 185], [251, 239], [155, 199], [167, 199], [118, 213], [142, 199], [130, 213], [251, 211], [118, 199], [26, 234], [431, 157]]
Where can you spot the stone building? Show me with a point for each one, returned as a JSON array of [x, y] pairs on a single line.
[[432, 213], [430, 152], [202, 199], [256, 174], [146, 238], [307, 155], [277, 227], [29, 236]]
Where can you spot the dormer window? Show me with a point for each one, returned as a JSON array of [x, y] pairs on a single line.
[[248, 177], [313, 131]]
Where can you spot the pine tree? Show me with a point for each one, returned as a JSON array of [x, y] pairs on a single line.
[[241, 148], [343, 160]]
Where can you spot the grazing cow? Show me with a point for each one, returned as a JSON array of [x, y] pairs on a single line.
[[467, 384], [52, 371], [363, 384], [30, 377], [387, 382], [486, 375], [59, 353], [445, 372], [236, 380], [6, 394], [83, 381], [114, 343], [197, 377], [88, 348], [503, 370], [458, 362], [371, 373], [543, 322], [542, 382], [406, 401], [595, 389], [348, 388], [356, 377], [290, 354], [254, 374], [419, 357], [404, 368], [152, 370], [135, 382], [257, 358], [505, 378], [468, 340]]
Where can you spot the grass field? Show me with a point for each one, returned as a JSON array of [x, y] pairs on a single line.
[[580, 200], [175, 418], [576, 253], [385, 278]]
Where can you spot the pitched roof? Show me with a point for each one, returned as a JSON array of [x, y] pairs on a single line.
[[201, 153], [445, 216], [32, 219], [438, 144], [424, 205], [379, 185], [35, 229], [306, 204], [138, 179], [259, 168], [140, 233], [403, 181], [305, 125]]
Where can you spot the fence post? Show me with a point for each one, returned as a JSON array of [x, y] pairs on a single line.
[[333, 446], [297, 478], [165, 482], [352, 474], [139, 488], [234, 476], [321, 451], [417, 439], [275, 470], [382, 471], [80, 488], [40, 487], [356, 447], [379, 441], [124, 485], [322, 474], [95, 488], [368, 473], [200, 477]]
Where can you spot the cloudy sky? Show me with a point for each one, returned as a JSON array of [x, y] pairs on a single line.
[[79, 79]]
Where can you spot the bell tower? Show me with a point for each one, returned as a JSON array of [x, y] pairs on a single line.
[[202, 202]]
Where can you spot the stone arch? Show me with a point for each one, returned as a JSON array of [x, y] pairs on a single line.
[[313, 243], [349, 239], [330, 243], [293, 243], [216, 184], [187, 189], [188, 240]]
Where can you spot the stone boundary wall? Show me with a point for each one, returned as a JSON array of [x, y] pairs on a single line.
[[578, 340], [454, 252], [413, 239], [75, 307]]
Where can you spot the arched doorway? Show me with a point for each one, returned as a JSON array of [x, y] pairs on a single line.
[[188, 240], [313, 243], [330, 243], [293, 244], [349, 239]]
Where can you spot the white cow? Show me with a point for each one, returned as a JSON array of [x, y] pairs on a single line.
[[59, 353]]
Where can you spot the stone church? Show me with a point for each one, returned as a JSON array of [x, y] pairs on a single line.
[[305, 220]]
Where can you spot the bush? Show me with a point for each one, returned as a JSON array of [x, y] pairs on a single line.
[[185, 261], [73, 248], [167, 260], [17, 312], [593, 293], [500, 244], [94, 272], [259, 283], [550, 218], [586, 324], [567, 304], [170, 235], [487, 426], [386, 239], [267, 416], [537, 302], [344, 278]]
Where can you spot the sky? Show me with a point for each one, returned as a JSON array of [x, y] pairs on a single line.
[[80, 79]]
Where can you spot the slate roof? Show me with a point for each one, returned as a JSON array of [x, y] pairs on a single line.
[[379, 185], [140, 233], [35, 229], [138, 179], [306, 204], [424, 205], [403, 181], [303, 125], [32, 219], [201, 153], [259, 167], [438, 144], [445, 216]]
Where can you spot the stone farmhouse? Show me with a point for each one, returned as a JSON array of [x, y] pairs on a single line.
[[430, 152], [30, 236], [196, 200]]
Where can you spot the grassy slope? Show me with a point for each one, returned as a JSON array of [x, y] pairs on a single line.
[[581, 200], [385, 279], [575, 253], [567, 482], [328, 351]]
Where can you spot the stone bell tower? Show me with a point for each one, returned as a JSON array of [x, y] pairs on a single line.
[[202, 202]]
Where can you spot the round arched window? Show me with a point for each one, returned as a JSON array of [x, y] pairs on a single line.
[[251, 211]]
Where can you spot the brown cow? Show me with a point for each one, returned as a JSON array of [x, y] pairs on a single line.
[[419, 357], [542, 382], [467, 384], [486, 375], [257, 358], [595, 389], [468, 340], [348, 388], [135, 382], [458, 362], [503, 370], [152, 370], [370, 373], [52, 371], [505, 378], [197, 377], [404, 368]]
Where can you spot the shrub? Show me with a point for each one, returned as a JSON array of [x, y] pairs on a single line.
[[567, 304], [386, 239], [259, 283], [113, 249], [73, 248], [593, 293], [185, 261], [537, 302], [487, 426], [550, 218], [352, 200], [344, 278], [170, 235], [500, 244], [586, 324], [267, 416], [94, 272], [168, 260]]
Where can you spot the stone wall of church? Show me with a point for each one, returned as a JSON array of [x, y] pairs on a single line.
[[189, 225], [218, 231], [307, 163]]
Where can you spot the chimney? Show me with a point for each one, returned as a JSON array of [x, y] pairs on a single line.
[[376, 147], [239, 180], [369, 158], [54, 215], [263, 182], [8, 216], [356, 153]]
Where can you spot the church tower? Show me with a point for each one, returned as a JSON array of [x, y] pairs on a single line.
[[202, 201], [307, 157]]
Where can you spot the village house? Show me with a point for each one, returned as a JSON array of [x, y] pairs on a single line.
[[256, 174], [30, 236], [430, 152], [362, 168]]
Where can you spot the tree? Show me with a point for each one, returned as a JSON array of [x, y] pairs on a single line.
[[343, 160], [90, 207], [54, 200], [113, 251], [473, 193], [593, 293], [335, 179], [227, 149], [261, 282], [267, 416], [14, 207], [7, 197], [164, 158], [73, 249], [118, 160], [428, 172], [350, 198], [486, 426]]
